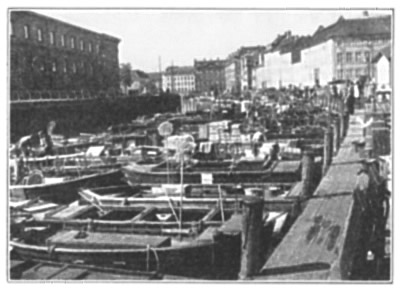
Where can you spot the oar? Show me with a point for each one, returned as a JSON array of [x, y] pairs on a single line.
[[92, 199]]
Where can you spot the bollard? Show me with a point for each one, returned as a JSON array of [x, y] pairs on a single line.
[[328, 148], [341, 107], [365, 129], [346, 124], [374, 105], [307, 164], [336, 135], [381, 141], [342, 122], [252, 223]]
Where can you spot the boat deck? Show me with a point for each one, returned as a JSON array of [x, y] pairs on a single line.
[[72, 239]]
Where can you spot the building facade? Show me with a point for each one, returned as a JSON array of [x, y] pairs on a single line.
[[50, 55], [210, 76], [382, 67], [250, 59], [232, 75], [342, 50], [181, 80], [240, 68]]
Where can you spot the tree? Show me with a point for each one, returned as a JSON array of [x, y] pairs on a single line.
[[125, 75]]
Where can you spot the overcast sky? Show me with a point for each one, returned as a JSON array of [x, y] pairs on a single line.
[[180, 36]]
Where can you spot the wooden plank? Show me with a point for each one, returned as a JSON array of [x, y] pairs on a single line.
[[232, 226], [69, 274], [71, 211], [106, 240], [287, 166], [40, 272]]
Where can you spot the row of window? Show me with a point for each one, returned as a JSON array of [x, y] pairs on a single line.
[[182, 78], [65, 67], [180, 81], [353, 57], [362, 42], [181, 84], [212, 72], [65, 41], [352, 73]]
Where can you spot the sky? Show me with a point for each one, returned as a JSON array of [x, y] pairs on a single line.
[[180, 36]]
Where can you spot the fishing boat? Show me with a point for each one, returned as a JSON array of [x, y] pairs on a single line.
[[214, 172], [162, 235], [270, 190], [65, 189]]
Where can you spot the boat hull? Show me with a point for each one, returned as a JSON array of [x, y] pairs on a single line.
[[195, 259], [136, 175], [67, 191]]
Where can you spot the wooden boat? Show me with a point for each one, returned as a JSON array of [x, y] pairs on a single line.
[[53, 271], [91, 161], [141, 234], [65, 190], [270, 190], [215, 172]]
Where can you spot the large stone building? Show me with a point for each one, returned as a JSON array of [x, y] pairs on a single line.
[[232, 74], [240, 68], [53, 56], [250, 59], [179, 79], [342, 50], [210, 75]]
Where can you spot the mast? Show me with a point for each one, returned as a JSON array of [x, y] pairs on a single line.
[[160, 72], [172, 77]]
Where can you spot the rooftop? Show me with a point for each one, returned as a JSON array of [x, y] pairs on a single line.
[[355, 28], [361, 28], [179, 70], [202, 64], [140, 74], [385, 51], [63, 22]]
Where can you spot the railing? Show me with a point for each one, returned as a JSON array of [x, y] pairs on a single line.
[[60, 96], [332, 104]]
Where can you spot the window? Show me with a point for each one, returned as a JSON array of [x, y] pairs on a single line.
[[81, 45], [74, 68], [366, 56], [359, 72], [39, 34], [65, 66], [349, 57], [63, 40], [54, 66], [51, 37], [72, 42], [90, 47], [339, 57], [97, 48], [316, 74], [358, 56], [349, 74], [12, 28], [340, 74], [26, 31]]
